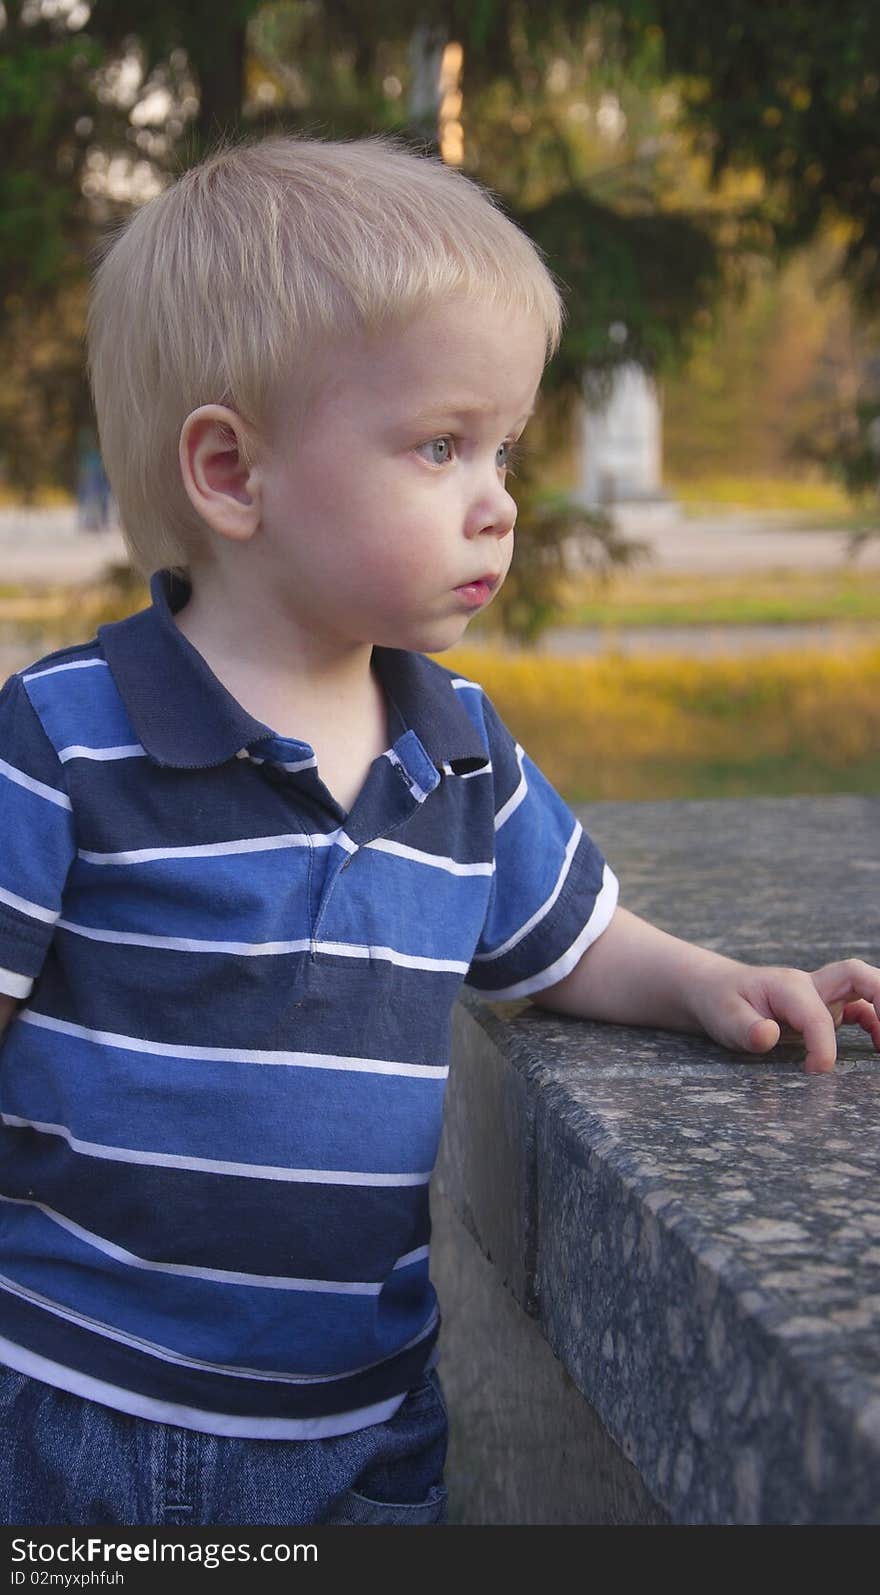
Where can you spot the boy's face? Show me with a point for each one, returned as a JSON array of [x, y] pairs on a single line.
[[386, 518]]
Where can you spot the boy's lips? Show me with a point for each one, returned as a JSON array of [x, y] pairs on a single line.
[[478, 591]]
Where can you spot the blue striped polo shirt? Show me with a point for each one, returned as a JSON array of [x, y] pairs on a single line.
[[221, 1095]]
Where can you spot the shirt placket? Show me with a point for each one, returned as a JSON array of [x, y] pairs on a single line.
[[398, 783]]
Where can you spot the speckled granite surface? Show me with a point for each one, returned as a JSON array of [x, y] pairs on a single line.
[[699, 1232]]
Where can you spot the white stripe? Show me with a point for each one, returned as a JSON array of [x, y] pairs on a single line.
[[210, 1165], [165, 1354], [33, 910], [391, 956], [280, 764], [461, 681], [543, 911], [603, 910], [79, 750], [260, 844], [468, 775], [72, 664], [83, 1385], [296, 764], [516, 797], [43, 791], [420, 1255], [417, 791], [218, 1276], [14, 985], [184, 944], [299, 1060], [248, 844], [450, 865]]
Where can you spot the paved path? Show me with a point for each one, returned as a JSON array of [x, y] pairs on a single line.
[[739, 541], [46, 546]]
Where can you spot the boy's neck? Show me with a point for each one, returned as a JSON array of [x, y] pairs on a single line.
[[293, 679]]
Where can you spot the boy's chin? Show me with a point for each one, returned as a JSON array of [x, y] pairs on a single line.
[[428, 634], [437, 638]]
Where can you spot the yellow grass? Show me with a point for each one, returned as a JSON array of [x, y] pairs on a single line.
[[650, 727], [816, 496]]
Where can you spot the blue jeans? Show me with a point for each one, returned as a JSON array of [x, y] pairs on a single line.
[[66, 1460]]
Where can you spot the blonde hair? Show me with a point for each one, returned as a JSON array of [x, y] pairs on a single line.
[[229, 282]]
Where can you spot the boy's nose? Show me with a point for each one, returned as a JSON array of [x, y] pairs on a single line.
[[494, 515]]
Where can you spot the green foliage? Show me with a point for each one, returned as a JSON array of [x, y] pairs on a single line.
[[647, 273], [43, 88], [794, 90], [847, 445], [790, 89]]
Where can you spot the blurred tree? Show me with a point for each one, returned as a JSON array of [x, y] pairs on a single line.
[[46, 115], [44, 92], [792, 90], [213, 37], [80, 86], [846, 442], [764, 372]]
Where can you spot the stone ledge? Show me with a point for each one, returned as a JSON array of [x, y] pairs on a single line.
[[694, 1234]]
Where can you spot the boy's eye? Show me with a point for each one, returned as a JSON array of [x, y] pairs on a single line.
[[513, 453], [441, 450]]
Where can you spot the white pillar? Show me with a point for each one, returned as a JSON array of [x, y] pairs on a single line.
[[426, 46], [621, 456]]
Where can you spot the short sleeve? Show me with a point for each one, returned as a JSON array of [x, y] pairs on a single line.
[[553, 893], [36, 840]]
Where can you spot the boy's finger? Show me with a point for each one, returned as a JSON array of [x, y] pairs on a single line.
[[819, 1036], [800, 1008], [863, 1013], [851, 979], [762, 1034]]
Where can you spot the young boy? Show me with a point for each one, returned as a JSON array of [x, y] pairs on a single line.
[[252, 841]]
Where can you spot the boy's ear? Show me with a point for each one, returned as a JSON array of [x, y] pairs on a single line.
[[222, 488]]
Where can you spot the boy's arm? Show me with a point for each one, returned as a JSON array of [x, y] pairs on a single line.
[[636, 974]]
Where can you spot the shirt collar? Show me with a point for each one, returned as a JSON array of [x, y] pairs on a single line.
[[185, 718]]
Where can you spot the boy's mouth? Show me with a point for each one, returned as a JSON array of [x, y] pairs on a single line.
[[478, 592]]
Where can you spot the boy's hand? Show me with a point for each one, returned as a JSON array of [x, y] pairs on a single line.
[[752, 1008], [637, 974]]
